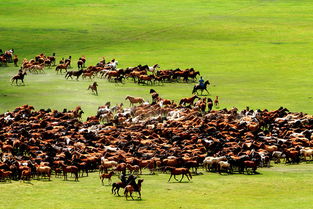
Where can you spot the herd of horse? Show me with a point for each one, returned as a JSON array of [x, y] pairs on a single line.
[[141, 74], [159, 137]]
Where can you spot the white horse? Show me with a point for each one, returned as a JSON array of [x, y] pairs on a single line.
[[113, 64], [153, 68]]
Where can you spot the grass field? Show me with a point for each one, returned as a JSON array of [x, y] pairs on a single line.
[[278, 187], [256, 53]]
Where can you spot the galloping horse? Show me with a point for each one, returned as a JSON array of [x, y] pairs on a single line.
[[17, 77], [113, 64], [62, 66], [189, 100], [201, 88], [93, 88], [74, 73], [152, 69], [179, 171], [130, 189], [134, 100]]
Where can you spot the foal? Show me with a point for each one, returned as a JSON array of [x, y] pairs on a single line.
[[93, 88]]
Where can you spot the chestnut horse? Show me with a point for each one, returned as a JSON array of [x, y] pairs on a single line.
[[130, 189], [69, 169], [189, 100], [62, 66], [93, 88], [179, 171], [106, 176], [134, 100]]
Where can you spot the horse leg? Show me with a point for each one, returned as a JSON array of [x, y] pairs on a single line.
[[131, 195], [170, 178], [139, 195], [175, 178], [182, 177]]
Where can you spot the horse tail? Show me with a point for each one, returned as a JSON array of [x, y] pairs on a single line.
[[113, 187]]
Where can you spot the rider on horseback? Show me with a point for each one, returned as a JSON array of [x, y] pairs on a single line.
[[132, 181], [123, 178], [201, 82]]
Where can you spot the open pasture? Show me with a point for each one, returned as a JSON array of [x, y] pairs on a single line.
[[277, 187], [255, 53]]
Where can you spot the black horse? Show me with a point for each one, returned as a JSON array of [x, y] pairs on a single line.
[[201, 88], [74, 73], [17, 77]]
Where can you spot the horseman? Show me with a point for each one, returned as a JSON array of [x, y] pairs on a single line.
[[201, 82], [123, 177], [132, 181]]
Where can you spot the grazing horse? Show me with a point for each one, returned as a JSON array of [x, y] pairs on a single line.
[[17, 77], [62, 66], [74, 73], [189, 100], [93, 88], [106, 176], [134, 100], [179, 171], [201, 88], [130, 189]]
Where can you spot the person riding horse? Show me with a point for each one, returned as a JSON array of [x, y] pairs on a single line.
[[132, 181], [201, 82], [123, 177]]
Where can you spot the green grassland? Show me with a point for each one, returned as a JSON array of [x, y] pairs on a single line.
[[255, 53], [278, 187]]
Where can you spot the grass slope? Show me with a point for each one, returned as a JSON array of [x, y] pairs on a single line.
[[278, 187], [255, 53]]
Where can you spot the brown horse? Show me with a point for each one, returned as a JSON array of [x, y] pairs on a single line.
[[106, 176], [134, 100], [130, 189], [189, 100], [15, 60], [93, 88], [62, 66], [179, 171], [116, 187], [88, 74], [70, 169], [17, 77], [43, 170]]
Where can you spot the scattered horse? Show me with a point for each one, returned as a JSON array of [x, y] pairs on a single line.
[[62, 66], [189, 100], [201, 88], [134, 100], [130, 189], [17, 77], [106, 176], [74, 73], [93, 88], [70, 169], [179, 171]]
